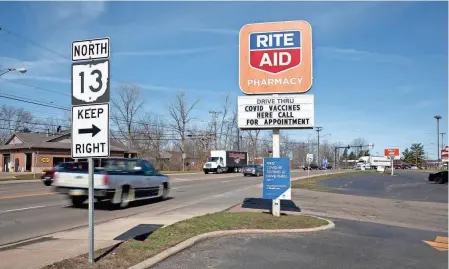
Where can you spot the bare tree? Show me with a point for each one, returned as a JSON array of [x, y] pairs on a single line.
[[125, 109], [180, 113], [359, 143], [253, 137], [13, 120], [55, 125], [151, 137]]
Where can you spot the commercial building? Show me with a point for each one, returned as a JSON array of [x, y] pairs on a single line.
[[34, 152]]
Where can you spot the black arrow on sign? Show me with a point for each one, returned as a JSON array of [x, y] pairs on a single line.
[[94, 130]]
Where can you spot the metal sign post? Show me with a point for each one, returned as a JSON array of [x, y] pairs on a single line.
[[309, 160], [276, 203], [392, 165], [90, 111]]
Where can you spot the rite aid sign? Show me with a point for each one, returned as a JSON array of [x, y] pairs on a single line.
[[275, 57]]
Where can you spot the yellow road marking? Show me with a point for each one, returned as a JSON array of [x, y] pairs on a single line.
[[440, 243], [27, 195]]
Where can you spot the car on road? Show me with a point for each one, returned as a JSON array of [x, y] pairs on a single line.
[[253, 170], [119, 180], [47, 176], [439, 177], [312, 166]]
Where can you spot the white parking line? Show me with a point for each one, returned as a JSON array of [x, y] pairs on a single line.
[[226, 181], [22, 209]]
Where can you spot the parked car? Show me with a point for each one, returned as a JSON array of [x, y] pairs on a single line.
[[120, 180], [253, 170], [312, 166], [47, 176], [439, 177]]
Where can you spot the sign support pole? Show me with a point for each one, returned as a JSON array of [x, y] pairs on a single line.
[[276, 204], [392, 165], [91, 210]]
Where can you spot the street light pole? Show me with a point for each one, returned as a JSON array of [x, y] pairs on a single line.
[[318, 130], [20, 70], [438, 118]]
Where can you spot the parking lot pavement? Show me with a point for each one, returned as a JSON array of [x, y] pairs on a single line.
[[351, 244], [410, 186]]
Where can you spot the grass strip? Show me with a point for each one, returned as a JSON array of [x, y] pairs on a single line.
[[132, 252], [22, 177]]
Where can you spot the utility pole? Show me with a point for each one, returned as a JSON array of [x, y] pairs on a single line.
[[318, 130], [442, 140], [438, 118], [214, 122]]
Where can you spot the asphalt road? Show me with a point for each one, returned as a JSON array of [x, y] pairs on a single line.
[[351, 244], [30, 210], [409, 186]]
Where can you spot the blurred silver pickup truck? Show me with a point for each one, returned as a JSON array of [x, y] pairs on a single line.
[[120, 181]]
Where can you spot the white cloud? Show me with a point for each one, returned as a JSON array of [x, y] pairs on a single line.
[[350, 54]]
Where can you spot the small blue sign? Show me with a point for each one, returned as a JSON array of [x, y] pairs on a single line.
[[325, 163], [276, 177]]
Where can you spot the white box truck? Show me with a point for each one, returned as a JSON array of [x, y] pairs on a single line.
[[223, 161], [372, 162]]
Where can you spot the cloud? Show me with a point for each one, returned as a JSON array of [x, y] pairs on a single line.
[[159, 88], [350, 54], [170, 51]]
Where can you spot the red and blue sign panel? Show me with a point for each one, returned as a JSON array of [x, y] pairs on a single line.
[[275, 52]]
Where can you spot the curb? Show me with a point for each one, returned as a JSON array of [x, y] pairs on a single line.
[[15, 181], [193, 240]]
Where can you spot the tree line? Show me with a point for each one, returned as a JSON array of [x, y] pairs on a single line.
[[156, 137]]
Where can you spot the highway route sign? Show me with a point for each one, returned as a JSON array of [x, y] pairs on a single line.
[[276, 178], [90, 131], [90, 82], [309, 157]]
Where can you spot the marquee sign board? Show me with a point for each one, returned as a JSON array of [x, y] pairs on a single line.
[[275, 57], [283, 112]]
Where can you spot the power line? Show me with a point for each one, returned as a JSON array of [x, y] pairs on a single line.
[[32, 102], [33, 42], [32, 86]]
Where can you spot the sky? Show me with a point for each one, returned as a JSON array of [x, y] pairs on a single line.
[[380, 69]]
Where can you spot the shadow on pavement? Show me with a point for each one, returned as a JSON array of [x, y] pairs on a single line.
[[139, 232], [106, 206], [259, 203]]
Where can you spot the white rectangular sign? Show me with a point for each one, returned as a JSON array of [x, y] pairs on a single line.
[[309, 157], [90, 49], [90, 131], [270, 112]]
